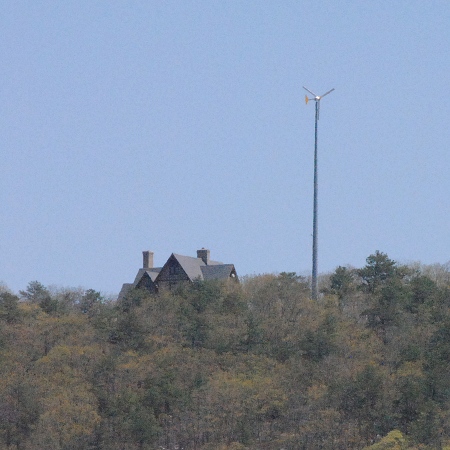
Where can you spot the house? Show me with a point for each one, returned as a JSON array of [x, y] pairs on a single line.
[[178, 269]]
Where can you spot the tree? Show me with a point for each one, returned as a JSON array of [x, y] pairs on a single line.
[[393, 441], [9, 307], [18, 409], [129, 331], [386, 307], [68, 407], [141, 425], [280, 311], [90, 301], [423, 291], [361, 400], [69, 418], [36, 292], [377, 271], [437, 362], [342, 283], [65, 299], [410, 395], [439, 273], [239, 407], [316, 344]]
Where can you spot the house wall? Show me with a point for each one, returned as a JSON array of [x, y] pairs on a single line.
[[146, 283]]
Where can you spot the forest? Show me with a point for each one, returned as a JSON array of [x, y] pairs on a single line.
[[254, 365]]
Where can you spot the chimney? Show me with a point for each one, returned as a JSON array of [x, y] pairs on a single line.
[[147, 258], [203, 254]]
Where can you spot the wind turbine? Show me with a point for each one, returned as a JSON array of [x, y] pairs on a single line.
[[314, 285]]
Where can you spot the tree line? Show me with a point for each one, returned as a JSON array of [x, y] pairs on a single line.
[[226, 366]]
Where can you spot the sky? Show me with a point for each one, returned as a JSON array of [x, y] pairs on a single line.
[[175, 125]]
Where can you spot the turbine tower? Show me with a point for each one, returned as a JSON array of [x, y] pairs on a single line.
[[314, 285]]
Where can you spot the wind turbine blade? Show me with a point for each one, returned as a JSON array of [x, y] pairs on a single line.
[[326, 93], [311, 92]]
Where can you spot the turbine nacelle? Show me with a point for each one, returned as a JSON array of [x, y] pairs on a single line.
[[316, 98]]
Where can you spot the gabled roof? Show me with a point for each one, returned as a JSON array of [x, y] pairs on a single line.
[[152, 273], [127, 287], [190, 265]]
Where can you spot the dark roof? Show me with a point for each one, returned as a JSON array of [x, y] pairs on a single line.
[[126, 287], [217, 272], [152, 273], [195, 268], [190, 265]]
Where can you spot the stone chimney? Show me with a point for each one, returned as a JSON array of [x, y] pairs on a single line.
[[147, 258], [203, 254]]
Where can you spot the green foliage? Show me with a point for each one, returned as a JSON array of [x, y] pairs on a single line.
[[319, 343], [280, 313], [410, 399], [393, 441], [361, 398], [386, 306], [18, 410], [342, 283], [129, 330], [423, 292], [142, 426], [35, 293], [437, 362], [133, 299], [89, 300], [49, 304], [256, 365], [378, 270], [9, 307]]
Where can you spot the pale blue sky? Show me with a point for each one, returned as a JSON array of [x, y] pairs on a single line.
[[176, 125]]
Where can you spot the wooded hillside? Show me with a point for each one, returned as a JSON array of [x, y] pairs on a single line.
[[209, 366]]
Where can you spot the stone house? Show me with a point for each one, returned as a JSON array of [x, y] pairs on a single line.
[[178, 269]]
